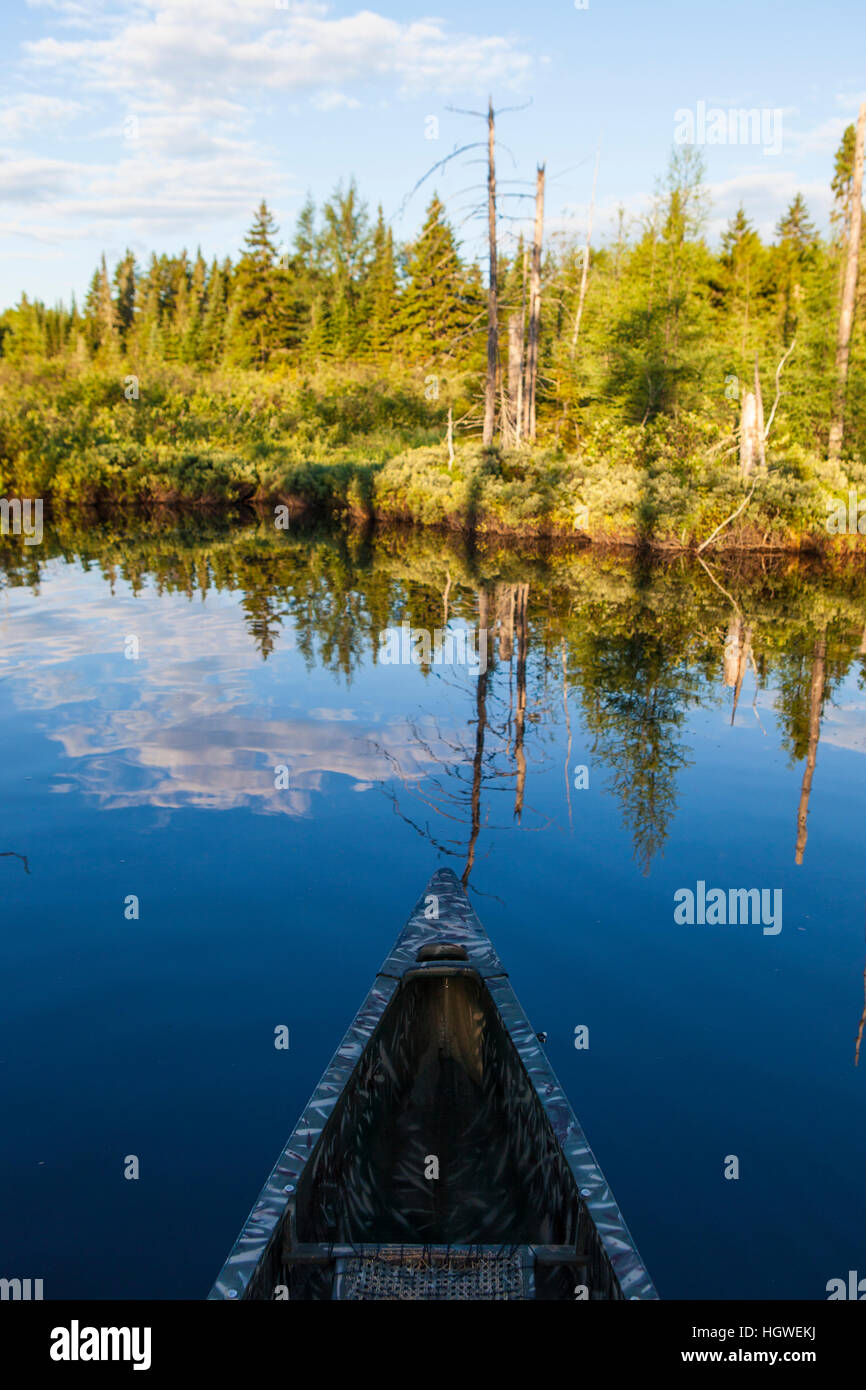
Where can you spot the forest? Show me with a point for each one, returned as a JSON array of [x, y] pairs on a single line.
[[616, 392]]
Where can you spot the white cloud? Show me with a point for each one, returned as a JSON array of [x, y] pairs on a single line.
[[37, 179], [851, 101], [182, 99], [765, 195], [23, 114], [824, 138], [170, 49], [332, 101]]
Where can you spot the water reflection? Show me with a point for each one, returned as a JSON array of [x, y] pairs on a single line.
[[636, 727], [631, 648]]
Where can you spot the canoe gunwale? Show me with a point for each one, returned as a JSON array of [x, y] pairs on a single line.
[[272, 1218]]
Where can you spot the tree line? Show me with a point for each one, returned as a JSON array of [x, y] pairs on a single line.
[[343, 290], [667, 324]]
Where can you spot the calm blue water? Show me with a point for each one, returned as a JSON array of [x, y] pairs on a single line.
[[261, 906]]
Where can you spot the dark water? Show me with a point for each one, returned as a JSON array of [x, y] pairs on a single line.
[[721, 718]]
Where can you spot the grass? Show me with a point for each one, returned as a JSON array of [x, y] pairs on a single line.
[[353, 440]]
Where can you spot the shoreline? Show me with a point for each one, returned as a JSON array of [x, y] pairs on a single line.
[[305, 514]]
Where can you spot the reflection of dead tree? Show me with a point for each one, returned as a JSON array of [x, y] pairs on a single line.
[[738, 651], [816, 702], [449, 794], [522, 596], [11, 854], [568, 733], [480, 727], [457, 794]]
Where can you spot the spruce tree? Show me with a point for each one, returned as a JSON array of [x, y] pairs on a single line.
[[124, 293], [794, 254], [344, 247], [100, 313], [260, 323], [379, 300], [437, 303], [214, 317], [741, 266]]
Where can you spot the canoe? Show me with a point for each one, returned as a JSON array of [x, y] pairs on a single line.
[[438, 1157]]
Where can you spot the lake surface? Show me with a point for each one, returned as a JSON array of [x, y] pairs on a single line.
[[205, 719]]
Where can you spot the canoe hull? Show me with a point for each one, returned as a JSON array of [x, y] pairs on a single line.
[[438, 1156]]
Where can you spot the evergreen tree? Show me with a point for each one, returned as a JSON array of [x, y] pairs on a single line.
[[124, 293], [100, 313], [213, 320], [379, 300], [260, 320], [197, 299], [178, 309], [794, 254], [24, 335], [842, 183], [147, 336], [741, 264], [438, 302], [344, 247]]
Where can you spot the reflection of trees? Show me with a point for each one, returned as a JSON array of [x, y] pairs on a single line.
[[635, 644], [635, 700], [473, 767], [816, 706], [809, 671]]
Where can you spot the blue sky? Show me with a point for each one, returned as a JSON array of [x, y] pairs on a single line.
[[160, 124]]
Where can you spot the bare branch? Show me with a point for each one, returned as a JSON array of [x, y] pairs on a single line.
[[778, 387]]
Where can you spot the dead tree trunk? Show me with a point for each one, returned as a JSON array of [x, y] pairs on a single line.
[[759, 418], [511, 426], [846, 308], [492, 319], [748, 432], [584, 269], [518, 429], [534, 311], [752, 427]]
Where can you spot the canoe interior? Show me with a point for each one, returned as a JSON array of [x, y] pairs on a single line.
[[440, 1087], [438, 1157], [440, 1081]]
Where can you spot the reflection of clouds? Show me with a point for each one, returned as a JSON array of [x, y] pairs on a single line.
[[227, 759], [843, 723], [189, 723], [845, 727]]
